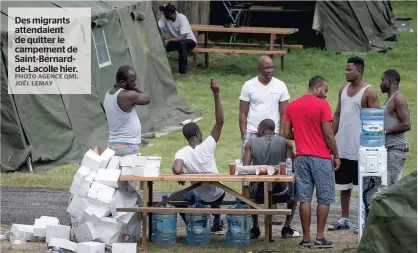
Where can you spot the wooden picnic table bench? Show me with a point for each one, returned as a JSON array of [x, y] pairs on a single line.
[[272, 31], [205, 179]]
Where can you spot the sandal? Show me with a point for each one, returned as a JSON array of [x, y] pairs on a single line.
[[338, 226], [305, 244]]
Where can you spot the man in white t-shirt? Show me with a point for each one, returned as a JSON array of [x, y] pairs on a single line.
[[182, 38], [262, 97], [199, 158]]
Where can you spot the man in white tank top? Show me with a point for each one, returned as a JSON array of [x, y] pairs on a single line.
[[353, 96], [122, 118]]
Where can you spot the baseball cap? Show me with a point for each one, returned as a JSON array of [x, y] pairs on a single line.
[[167, 7]]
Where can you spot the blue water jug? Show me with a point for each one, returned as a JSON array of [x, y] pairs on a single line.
[[198, 226], [164, 226], [373, 130], [238, 226]]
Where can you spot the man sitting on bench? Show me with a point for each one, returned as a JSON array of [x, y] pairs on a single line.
[[199, 158], [182, 37], [270, 149]]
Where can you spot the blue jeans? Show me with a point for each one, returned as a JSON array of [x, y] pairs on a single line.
[[123, 149], [190, 197]]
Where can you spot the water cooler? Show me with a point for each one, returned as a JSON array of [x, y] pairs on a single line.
[[372, 162]]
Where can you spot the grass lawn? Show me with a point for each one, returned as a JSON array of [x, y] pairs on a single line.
[[231, 71]]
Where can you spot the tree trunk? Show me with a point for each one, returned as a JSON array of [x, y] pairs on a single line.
[[197, 12]]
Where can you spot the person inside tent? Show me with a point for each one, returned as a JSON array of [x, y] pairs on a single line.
[[182, 38]]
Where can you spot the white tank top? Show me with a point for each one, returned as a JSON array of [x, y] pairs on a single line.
[[349, 129], [123, 126]]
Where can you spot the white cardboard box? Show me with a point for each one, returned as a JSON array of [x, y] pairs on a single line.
[[77, 207], [109, 230], [63, 243], [123, 199], [39, 228], [114, 163], [81, 173], [101, 192], [140, 161], [86, 232], [57, 231], [91, 247], [106, 156], [108, 177], [25, 232], [91, 160], [124, 248], [82, 188]]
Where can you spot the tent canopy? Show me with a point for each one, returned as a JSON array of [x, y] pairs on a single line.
[[57, 129]]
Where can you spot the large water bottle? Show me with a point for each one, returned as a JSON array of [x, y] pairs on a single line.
[[373, 131], [288, 166], [164, 226], [238, 227], [198, 226]]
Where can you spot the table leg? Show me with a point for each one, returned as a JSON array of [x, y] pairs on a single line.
[[272, 38], [206, 54], [144, 221], [282, 48], [268, 218], [149, 204]]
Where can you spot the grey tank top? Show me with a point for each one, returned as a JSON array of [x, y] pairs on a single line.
[[392, 139], [349, 129], [268, 150]]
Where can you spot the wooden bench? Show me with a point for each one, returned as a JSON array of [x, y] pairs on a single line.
[[197, 50], [205, 210]]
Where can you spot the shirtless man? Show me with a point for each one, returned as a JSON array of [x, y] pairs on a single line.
[[353, 96], [397, 122]]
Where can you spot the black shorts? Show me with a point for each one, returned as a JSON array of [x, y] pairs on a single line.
[[346, 177]]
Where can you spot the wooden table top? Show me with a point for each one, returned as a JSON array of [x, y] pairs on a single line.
[[244, 29], [221, 177]]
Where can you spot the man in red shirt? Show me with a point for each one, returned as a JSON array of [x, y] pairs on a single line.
[[310, 117]]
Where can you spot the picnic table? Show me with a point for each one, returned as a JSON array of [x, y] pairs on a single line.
[[202, 179], [269, 49]]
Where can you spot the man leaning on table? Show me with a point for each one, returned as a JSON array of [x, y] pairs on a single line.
[[199, 158]]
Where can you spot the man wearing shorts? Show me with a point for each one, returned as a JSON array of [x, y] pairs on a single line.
[[270, 149], [353, 96], [397, 122], [263, 97], [310, 118]]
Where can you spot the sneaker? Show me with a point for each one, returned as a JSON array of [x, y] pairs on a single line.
[[305, 244], [218, 229], [355, 231], [255, 232], [342, 224], [323, 243], [288, 232]]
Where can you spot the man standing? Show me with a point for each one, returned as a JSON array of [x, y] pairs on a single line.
[[354, 96], [182, 38], [262, 97], [122, 118], [199, 157], [310, 118], [397, 122], [270, 149]]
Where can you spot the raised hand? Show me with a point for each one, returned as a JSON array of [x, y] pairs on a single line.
[[214, 86]]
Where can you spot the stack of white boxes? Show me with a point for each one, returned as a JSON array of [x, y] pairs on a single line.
[[96, 193]]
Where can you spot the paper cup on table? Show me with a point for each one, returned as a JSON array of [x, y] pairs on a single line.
[[261, 171], [231, 169], [282, 167], [272, 171]]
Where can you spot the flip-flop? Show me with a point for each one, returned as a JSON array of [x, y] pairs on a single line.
[[337, 226]]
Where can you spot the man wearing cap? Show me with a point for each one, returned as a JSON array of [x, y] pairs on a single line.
[[182, 38]]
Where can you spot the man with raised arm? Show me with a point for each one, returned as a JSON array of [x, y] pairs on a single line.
[[122, 118], [347, 126], [199, 158], [262, 97], [308, 121], [397, 122]]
